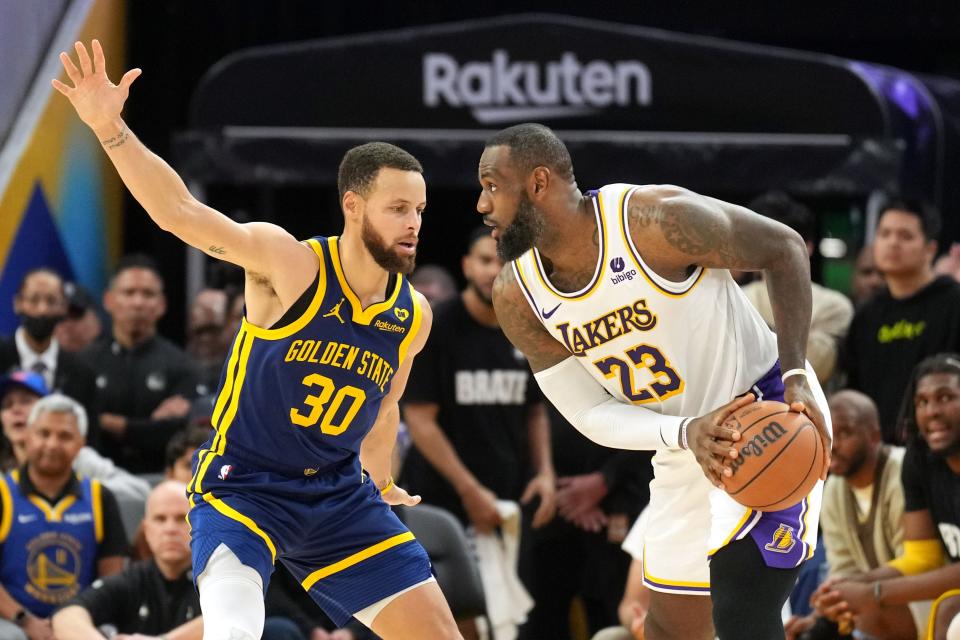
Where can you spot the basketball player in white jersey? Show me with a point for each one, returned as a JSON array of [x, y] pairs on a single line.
[[622, 301]]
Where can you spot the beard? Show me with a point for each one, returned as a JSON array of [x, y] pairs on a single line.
[[854, 463], [388, 259], [523, 233]]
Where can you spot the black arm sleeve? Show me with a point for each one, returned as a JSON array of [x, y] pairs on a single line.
[[114, 535]]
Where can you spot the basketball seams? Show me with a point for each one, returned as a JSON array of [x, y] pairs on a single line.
[[760, 419], [785, 446], [818, 452]]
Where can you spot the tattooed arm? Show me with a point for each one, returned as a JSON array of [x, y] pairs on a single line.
[[260, 248], [522, 327], [679, 229]]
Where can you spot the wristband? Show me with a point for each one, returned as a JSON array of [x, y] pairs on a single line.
[[794, 372], [682, 438], [387, 486]]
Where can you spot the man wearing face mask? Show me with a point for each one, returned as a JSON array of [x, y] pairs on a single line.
[[41, 303]]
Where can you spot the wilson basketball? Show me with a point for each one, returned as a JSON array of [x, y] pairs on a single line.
[[780, 456]]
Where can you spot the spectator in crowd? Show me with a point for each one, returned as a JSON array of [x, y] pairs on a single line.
[[916, 316], [82, 325], [477, 420], [205, 327], [153, 597], [19, 391], [931, 522], [41, 303], [60, 531], [145, 383], [831, 312], [434, 282], [867, 280], [235, 309], [862, 511], [179, 456], [601, 492], [178, 466]]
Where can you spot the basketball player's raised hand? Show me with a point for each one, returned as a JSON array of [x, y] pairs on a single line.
[[712, 443], [97, 101], [798, 395]]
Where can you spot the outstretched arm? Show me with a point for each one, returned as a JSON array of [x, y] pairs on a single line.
[[259, 248], [680, 229]]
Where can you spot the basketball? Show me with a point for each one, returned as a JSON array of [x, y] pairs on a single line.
[[779, 456]]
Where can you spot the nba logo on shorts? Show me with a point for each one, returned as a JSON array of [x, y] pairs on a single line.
[[225, 471], [783, 540]]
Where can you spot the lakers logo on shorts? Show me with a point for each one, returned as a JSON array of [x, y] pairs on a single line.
[[53, 565], [783, 540], [402, 314]]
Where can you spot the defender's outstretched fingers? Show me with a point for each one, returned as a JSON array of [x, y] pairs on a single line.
[[129, 77], [62, 88], [85, 65], [99, 65], [72, 72]]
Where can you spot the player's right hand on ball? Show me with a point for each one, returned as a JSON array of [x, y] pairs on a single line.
[[712, 442], [97, 100], [398, 495]]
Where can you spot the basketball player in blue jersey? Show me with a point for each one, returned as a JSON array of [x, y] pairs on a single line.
[[298, 469], [642, 340]]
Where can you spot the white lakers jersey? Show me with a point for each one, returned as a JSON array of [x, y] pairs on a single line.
[[678, 348]]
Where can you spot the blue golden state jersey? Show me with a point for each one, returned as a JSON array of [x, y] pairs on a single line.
[[299, 398], [49, 551]]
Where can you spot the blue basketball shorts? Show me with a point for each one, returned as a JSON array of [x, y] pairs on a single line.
[[331, 530]]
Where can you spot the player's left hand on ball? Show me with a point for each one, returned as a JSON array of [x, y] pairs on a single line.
[[398, 495], [798, 395], [712, 442]]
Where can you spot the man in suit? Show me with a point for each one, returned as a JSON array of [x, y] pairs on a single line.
[[41, 303]]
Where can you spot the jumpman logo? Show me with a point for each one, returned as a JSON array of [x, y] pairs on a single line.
[[336, 311]]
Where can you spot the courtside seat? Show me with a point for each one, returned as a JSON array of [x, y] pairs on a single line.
[[446, 543]]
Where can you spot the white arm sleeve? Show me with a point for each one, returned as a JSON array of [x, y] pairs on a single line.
[[599, 416]]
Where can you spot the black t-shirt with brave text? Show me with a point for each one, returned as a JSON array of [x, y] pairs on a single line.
[[483, 388]]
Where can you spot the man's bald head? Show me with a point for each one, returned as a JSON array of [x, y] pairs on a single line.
[[856, 436], [165, 526], [860, 408]]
